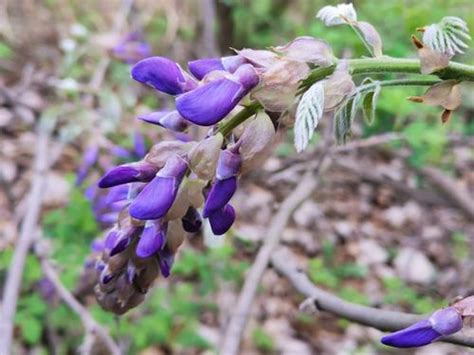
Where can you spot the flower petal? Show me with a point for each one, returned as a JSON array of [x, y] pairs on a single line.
[[418, 334], [162, 74], [222, 220], [199, 68], [155, 199], [126, 173], [168, 119], [228, 164], [151, 240], [446, 321], [210, 103], [220, 194], [165, 261]]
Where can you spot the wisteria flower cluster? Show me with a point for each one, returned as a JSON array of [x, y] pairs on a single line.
[[181, 184]]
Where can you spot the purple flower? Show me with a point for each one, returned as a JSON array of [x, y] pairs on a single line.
[[165, 261], [120, 152], [199, 68], [139, 145], [211, 102], [123, 240], [225, 185], [123, 174], [221, 220], [443, 322], [169, 119], [156, 198], [132, 48], [163, 74], [116, 194], [220, 194], [151, 240], [192, 221], [111, 238], [88, 160]]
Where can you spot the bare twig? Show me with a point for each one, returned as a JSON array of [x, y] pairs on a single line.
[[27, 235], [89, 323], [384, 320], [208, 15], [459, 196], [239, 318]]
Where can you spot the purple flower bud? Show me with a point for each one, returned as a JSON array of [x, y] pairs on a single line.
[[123, 174], [165, 261], [154, 201], [122, 243], [139, 145], [192, 221], [131, 271], [152, 239], [220, 194], [228, 164], [116, 194], [199, 68], [163, 75], [88, 160], [106, 276], [222, 220], [132, 48], [97, 245], [90, 192], [220, 97], [111, 238], [446, 321], [120, 152], [443, 322], [107, 218], [168, 119]]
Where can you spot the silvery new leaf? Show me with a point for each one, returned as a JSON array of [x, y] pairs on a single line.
[[309, 112], [448, 36], [337, 15]]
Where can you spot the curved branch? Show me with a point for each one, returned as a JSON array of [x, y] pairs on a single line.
[[373, 317]]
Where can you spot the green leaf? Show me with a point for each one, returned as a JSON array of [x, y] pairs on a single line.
[[369, 104], [345, 117], [30, 329], [5, 51]]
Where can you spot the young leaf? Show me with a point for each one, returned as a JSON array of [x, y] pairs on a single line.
[[447, 36], [337, 15], [371, 36], [446, 94], [369, 104], [345, 117], [308, 114]]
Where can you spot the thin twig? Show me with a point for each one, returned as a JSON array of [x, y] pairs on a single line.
[[233, 334], [27, 234], [283, 262], [89, 323], [458, 195]]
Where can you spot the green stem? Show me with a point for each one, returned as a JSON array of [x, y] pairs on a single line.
[[399, 82], [227, 126], [362, 38], [454, 70]]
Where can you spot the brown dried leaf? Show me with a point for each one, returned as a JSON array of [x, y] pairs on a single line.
[[430, 61], [446, 94], [279, 84]]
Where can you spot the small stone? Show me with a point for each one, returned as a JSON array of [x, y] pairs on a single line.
[[370, 252], [413, 266]]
